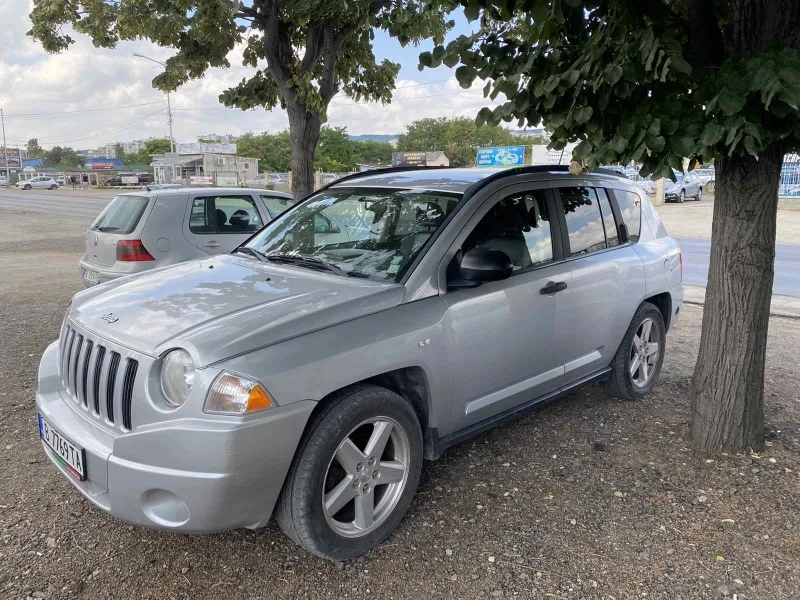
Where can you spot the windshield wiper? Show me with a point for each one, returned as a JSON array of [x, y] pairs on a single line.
[[108, 228], [250, 252], [311, 262]]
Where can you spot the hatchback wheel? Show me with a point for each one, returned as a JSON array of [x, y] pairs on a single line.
[[26, 187], [354, 475], [638, 361], [700, 194], [53, 187], [682, 197]]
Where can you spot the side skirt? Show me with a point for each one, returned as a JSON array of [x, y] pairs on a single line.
[[440, 444]]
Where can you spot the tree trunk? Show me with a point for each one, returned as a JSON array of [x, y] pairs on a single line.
[[304, 129], [728, 384]]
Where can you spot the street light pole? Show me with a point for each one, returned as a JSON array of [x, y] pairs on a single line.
[[169, 106], [5, 148]]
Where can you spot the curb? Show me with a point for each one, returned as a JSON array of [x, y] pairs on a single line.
[[781, 306]]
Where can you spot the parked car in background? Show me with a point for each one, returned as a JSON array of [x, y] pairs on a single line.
[[310, 373], [3, 181], [647, 185], [143, 230], [60, 180], [152, 187], [38, 183], [685, 186], [706, 178]]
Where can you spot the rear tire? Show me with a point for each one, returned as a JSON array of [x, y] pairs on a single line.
[[682, 196], [53, 187], [699, 197], [26, 187], [635, 368], [341, 500]]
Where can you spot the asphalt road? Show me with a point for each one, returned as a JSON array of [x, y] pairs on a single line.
[[61, 202], [696, 254], [695, 250]]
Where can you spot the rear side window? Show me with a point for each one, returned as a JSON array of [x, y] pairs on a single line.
[[224, 214], [584, 220], [630, 208], [276, 205], [121, 215], [612, 236]]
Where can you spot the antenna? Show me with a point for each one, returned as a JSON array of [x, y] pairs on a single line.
[[134, 172]]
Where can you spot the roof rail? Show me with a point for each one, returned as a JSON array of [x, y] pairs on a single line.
[[383, 171]]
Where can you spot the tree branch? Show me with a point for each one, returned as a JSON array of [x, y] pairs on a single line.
[[245, 12], [313, 46], [331, 44], [705, 35], [277, 48]]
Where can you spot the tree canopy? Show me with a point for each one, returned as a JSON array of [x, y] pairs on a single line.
[[459, 138], [302, 53], [336, 152], [59, 156], [34, 149], [650, 82], [157, 146]]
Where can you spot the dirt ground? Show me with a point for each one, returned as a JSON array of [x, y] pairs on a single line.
[[588, 498]]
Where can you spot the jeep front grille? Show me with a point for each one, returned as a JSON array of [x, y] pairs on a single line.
[[90, 375]]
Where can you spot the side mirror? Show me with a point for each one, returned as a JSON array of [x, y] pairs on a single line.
[[480, 265]]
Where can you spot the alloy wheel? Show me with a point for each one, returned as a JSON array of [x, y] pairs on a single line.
[[699, 194], [366, 477], [644, 353], [682, 196]]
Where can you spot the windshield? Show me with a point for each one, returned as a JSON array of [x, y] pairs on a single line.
[[121, 215], [361, 232]]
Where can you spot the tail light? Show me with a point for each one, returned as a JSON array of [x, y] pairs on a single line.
[[132, 251], [680, 257]]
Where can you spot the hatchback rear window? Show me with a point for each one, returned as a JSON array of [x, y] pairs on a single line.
[[121, 215]]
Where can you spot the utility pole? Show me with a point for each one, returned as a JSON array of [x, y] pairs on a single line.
[[169, 106], [5, 148]]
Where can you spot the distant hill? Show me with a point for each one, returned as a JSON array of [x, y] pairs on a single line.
[[374, 137]]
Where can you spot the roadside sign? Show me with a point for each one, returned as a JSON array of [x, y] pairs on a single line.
[[227, 180], [409, 159], [201, 180], [501, 156], [129, 179]]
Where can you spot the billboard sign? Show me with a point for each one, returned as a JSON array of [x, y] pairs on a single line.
[[409, 159], [201, 180], [501, 156], [10, 158], [200, 147]]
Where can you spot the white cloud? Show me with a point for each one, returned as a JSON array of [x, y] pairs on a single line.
[[85, 78]]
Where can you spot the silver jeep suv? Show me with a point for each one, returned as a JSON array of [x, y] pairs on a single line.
[[309, 372]]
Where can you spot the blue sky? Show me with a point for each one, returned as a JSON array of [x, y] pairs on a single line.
[[86, 78]]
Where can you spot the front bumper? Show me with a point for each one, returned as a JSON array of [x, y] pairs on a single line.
[[198, 475]]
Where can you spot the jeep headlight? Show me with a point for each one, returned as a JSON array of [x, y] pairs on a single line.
[[177, 377]]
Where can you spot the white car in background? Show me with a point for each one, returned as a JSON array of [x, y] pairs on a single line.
[[3, 181], [39, 183]]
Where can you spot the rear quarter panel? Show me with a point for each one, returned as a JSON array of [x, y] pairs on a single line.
[[162, 233]]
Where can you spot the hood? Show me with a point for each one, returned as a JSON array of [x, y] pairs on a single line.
[[225, 305]]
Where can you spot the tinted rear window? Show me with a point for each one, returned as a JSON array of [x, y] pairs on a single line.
[[121, 215]]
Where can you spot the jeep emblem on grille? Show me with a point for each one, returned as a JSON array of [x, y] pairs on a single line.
[[110, 318]]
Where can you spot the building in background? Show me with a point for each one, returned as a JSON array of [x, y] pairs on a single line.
[[214, 138], [204, 168], [532, 132]]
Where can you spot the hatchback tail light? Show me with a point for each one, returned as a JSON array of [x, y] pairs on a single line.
[[132, 251], [680, 257]]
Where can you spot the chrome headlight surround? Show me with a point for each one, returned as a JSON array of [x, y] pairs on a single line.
[[177, 377]]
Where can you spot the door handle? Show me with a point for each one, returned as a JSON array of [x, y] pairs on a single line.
[[213, 244], [553, 287]]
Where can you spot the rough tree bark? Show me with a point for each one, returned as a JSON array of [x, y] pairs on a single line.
[[728, 384], [304, 128]]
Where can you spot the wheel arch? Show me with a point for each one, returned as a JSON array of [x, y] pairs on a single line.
[[663, 302]]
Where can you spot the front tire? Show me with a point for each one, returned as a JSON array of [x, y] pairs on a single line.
[[682, 197], [26, 187], [354, 475], [53, 187], [700, 194], [637, 363]]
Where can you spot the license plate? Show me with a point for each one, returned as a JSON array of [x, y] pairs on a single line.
[[67, 454], [91, 276]]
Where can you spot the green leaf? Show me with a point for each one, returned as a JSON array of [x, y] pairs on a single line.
[[654, 128], [712, 134], [582, 115], [618, 144], [730, 102], [750, 146], [612, 74], [681, 145], [680, 65], [656, 144]]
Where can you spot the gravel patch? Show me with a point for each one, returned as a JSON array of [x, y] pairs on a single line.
[[587, 498]]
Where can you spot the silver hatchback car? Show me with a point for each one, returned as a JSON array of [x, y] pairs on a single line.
[[158, 226], [373, 325]]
